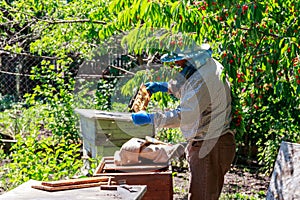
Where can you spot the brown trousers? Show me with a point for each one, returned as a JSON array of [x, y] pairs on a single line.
[[209, 160]]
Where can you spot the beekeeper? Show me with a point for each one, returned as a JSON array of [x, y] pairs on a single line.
[[203, 116]]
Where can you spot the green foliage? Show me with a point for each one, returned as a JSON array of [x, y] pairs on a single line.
[[56, 92], [133, 84], [40, 158], [6, 102], [240, 196], [159, 100], [38, 154], [9, 125], [72, 27], [258, 44], [164, 101], [21, 120], [144, 76], [84, 94], [104, 93], [172, 136], [119, 107]]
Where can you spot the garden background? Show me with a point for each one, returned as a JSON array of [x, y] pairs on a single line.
[[58, 55]]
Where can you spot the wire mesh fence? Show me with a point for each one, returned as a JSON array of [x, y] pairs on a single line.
[[15, 74]]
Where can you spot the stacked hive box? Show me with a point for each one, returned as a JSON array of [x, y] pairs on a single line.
[[158, 178], [105, 132]]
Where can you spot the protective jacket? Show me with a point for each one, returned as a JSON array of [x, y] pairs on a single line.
[[205, 101]]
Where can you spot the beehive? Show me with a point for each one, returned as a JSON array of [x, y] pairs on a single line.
[[158, 178], [105, 132]]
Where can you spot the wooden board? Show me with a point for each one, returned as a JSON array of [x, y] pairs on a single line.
[[285, 180], [107, 166], [76, 181], [26, 192], [158, 178], [67, 187], [159, 185]]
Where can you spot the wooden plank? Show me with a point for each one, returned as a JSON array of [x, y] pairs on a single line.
[[155, 182], [135, 168], [26, 192], [75, 181], [107, 164], [68, 187], [100, 167]]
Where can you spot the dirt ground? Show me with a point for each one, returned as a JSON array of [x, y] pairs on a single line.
[[238, 180]]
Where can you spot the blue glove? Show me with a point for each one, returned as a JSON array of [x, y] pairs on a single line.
[[142, 118], [154, 87]]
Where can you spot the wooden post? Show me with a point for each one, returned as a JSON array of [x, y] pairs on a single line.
[[285, 180]]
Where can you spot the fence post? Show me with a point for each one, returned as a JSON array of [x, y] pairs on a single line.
[[18, 70]]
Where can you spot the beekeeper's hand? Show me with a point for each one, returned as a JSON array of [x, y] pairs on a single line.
[[142, 118], [154, 87]]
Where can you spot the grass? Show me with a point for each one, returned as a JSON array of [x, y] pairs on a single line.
[[240, 196]]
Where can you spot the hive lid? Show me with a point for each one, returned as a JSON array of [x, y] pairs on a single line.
[[105, 115]]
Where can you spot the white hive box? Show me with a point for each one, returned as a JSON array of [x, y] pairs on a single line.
[[105, 132]]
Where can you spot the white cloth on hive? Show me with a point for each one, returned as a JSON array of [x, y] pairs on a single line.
[[129, 152], [135, 150]]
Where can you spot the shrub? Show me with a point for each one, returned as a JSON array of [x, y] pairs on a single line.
[[56, 93], [41, 158], [6, 102]]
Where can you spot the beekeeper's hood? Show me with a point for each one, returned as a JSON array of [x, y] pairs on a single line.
[[195, 55]]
